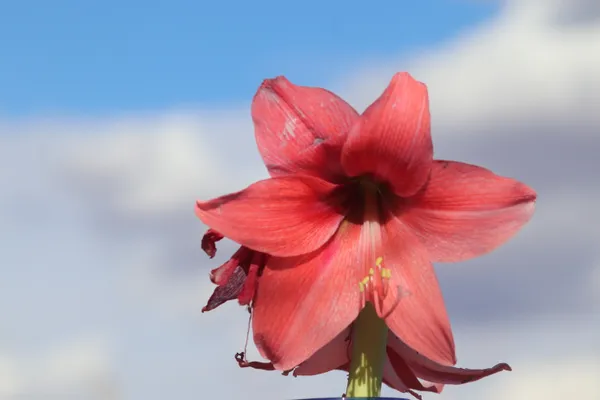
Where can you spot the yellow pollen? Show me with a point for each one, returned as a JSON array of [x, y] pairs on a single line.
[[362, 284], [386, 273]]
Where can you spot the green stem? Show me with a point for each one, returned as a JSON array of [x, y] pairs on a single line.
[[369, 339]]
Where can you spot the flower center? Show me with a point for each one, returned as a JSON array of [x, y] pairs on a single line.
[[364, 191], [369, 185]]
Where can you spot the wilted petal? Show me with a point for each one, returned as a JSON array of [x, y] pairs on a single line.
[[420, 317], [393, 379], [229, 290], [392, 138], [237, 278], [284, 216], [432, 371], [209, 242], [303, 303], [399, 374], [466, 211], [300, 129]]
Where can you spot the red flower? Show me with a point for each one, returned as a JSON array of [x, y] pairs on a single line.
[[355, 211]]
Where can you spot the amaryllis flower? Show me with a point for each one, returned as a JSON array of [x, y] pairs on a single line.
[[355, 212]]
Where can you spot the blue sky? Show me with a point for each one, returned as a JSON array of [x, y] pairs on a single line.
[[93, 57]]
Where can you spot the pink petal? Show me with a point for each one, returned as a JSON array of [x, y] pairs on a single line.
[[432, 371], [466, 211], [303, 303], [300, 129], [284, 216], [402, 372], [392, 140], [392, 379], [419, 318], [332, 356]]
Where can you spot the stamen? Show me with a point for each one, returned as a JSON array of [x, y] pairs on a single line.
[[375, 286], [364, 283]]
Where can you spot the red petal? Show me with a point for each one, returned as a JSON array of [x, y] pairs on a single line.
[[403, 376], [392, 378], [284, 216], [303, 303], [466, 211], [419, 318], [432, 371], [333, 355], [300, 129], [392, 139]]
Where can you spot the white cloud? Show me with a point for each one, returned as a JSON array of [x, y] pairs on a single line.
[[519, 67], [152, 164], [75, 369], [10, 381], [82, 360], [558, 379]]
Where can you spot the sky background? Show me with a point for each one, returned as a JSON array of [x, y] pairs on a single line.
[[116, 116]]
